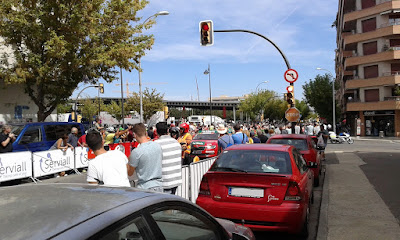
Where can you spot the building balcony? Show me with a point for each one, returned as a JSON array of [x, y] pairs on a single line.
[[385, 79], [378, 33], [373, 58], [381, 7], [390, 104]]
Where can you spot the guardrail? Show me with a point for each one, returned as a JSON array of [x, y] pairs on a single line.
[[19, 165]]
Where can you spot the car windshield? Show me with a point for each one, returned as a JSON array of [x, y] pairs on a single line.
[[253, 161], [203, 136], [300, 144]]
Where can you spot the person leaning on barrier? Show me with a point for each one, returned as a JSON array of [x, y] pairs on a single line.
[[73, 137], [108, 167], [6, 139]]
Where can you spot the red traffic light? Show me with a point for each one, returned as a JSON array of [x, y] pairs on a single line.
[[205, 27], [290, 88]]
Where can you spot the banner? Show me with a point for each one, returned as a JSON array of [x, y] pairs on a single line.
[[81, 157], [15, 165], [52, 161]]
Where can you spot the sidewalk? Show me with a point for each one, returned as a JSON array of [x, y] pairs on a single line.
[[369, 138], [351, 208]]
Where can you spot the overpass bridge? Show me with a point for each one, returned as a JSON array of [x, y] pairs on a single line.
[[216, 105]]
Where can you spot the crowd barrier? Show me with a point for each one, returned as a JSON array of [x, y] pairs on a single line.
[[33, 165]]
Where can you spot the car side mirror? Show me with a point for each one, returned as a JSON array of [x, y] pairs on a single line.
[[312, 165], [236, 236]]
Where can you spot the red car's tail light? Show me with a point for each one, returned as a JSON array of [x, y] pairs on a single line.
[[293, 192], [204, 188]]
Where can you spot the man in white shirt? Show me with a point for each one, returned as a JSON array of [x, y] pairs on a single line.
[[108, 167]]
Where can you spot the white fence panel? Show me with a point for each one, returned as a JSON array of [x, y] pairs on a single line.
[[15, 166], [52, 161], [197, 170], [81, 157], [184, 189]]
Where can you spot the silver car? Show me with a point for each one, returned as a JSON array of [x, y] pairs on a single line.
[[81, 211]]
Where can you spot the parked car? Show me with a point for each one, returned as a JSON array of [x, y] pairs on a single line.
[[41, 136], [84, 211], [204, 145], [307, 147], [266, 187]]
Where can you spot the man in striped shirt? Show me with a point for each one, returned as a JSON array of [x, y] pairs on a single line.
[[171, 159]]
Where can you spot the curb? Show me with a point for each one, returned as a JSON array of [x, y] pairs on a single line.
[[322, 232]]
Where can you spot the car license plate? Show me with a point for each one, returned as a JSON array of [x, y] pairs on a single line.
[[246, 192], [197, 151]]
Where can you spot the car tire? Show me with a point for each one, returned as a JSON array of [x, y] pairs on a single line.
[[304, 231], [316, 181]]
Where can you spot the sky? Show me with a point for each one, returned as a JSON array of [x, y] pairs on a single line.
[[239, 62]]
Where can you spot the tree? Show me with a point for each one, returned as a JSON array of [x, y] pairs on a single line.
[[64, 108], [152, 102], [318, 94], [114, 110], [303, 108], [58, 44], [274, 108], [89, 108]]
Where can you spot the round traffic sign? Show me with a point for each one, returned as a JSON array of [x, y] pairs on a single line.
[[291, 75]]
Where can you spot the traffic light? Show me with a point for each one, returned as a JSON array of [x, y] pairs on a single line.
[[206, 33], [101, 86], [290, 95], [166, 112]]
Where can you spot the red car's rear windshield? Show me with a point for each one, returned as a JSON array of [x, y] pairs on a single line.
[[206, 137], [300, 144], [253, 161]]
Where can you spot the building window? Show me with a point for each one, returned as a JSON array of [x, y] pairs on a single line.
[[395, 42], [394, 19], [395, 68], [370, 48], [369, 25], [367, 3], [371, 95], [371, 71]]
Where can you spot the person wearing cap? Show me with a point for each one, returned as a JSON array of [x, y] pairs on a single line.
[[225, 140]]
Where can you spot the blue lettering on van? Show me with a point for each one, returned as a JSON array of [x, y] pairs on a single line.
[[46, 165]]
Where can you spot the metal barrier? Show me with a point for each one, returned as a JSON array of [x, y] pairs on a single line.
[[15, 166], [197, 170], [184, 189], [33, 165]]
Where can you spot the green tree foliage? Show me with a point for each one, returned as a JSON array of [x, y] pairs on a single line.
[[303, 108], [318, 94], [115, 110], [58, 44], [152, 102], [273, 106], [64, 108], [89, 108]]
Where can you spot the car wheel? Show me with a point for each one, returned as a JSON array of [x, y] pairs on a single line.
[[316, 181], [304, 230]]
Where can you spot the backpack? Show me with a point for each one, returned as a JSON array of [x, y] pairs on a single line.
[[321, 142], [228, 144]]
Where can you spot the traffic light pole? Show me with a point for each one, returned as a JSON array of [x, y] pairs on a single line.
[[279, 50], [76, 100]]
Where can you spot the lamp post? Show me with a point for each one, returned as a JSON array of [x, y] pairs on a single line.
[[333, 98], [260, 84], [76, 100], [140, 68], [209, 86], [122, 99]]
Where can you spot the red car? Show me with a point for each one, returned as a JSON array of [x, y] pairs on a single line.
[[204, 145], [307, 147], [266, 187]]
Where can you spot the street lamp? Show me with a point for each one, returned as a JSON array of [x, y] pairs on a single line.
[[333, 98], [76, 100], [260, 84], [140, 67], [209, 86]]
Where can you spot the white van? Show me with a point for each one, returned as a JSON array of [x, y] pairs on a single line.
[[204, 119]]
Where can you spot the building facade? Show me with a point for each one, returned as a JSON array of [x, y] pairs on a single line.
[[368, 66]]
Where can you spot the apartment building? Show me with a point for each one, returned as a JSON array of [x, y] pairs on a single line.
[[368, 65]]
